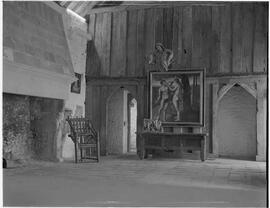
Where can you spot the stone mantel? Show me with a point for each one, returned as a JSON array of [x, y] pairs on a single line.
[[27, 80]]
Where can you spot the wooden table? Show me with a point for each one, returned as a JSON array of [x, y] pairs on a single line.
[[170, 141]]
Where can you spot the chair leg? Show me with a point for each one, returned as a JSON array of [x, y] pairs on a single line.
[[76, 159], [81, 151], [98, 148]]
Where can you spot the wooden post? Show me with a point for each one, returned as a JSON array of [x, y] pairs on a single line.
[[98, 147], [261, 121], [215, 102]]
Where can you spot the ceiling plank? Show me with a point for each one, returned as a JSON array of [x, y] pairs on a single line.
[[67, 3], [78, 5], [88, 8], [82, 7], [72, 5], [147, 5], [62, 3]]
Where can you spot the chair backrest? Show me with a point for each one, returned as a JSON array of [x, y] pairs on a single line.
[[81, 125]]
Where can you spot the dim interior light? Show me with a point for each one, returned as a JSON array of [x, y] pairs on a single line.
[[76, 15]]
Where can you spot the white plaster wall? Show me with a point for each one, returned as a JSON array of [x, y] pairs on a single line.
[[77, 43], [237, 124], [133, 126], [125, 121]]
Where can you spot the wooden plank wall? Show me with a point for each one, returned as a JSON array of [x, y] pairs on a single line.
[[226, 39]]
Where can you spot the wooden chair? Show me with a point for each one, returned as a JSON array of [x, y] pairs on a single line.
[[85, 138]]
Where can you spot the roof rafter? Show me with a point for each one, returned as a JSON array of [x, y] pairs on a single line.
[[86, 10]]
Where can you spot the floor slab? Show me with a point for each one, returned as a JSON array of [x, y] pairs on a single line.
[[128, 181]]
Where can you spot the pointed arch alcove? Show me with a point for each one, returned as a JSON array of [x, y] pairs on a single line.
[[253, 89], [236, 124]]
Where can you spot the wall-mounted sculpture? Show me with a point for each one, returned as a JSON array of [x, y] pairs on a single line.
[[161, 58]]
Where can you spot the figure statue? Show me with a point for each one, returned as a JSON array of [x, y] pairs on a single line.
[[161, 58]]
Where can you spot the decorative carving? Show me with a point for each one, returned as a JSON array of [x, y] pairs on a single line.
[[152, 125], [161, 58], [248, 87]]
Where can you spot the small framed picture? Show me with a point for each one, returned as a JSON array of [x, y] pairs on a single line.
[[76, 86]]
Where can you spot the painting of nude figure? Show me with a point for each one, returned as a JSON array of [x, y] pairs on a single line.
[[177, 97]]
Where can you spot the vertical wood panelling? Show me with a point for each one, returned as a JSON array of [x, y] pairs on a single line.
[[96, 107], [225, 40], [91, 24], [197, 35], [98, 39], [260, 38], [102, 41], [103, 97], [168, 27], [158, 25], [237, 35], [215, 43], [206, 38], [131, 42], [140, 44], [231, 38], [88, 102], [118, 50], [149, 34], [201, 33], [92, 59], [105, 44], [247, 47], [177, 36], [187, 37]]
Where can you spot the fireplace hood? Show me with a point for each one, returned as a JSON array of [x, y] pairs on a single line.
[[28, 80]]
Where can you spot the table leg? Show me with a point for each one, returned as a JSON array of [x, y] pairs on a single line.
[[146, 153], [142, 150], [203, 149]]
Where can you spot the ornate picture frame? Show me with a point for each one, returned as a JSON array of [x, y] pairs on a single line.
[[177, 97]]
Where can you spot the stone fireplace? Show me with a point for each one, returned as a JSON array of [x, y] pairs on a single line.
[[32, 127]]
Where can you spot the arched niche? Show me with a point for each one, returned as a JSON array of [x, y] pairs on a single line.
[[223, 90], [236, 124], [257, 88]]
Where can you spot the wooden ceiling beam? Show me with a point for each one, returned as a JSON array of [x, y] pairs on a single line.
[[88, 8], [78, 5], [135, 6], [62, 3], [82, 7], [72, 5]]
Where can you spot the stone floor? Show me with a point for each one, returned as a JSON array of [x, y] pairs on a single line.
[[126, 181]]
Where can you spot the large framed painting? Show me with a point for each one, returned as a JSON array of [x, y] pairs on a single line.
[[177, 97]]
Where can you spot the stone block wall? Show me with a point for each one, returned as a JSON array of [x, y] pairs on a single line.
[[33, 33], [44, 121], [32, 127], [16, 127]]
